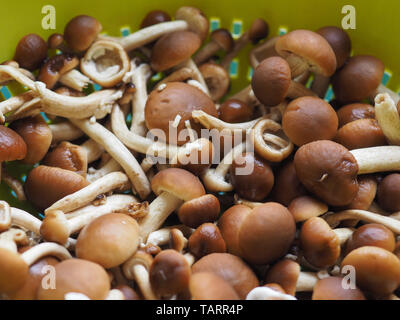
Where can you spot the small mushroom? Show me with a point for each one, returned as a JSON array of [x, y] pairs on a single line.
[[377, 270], [216, 78], [206, 239], [307, 50], [306, 207], [388, 192], [81, 31], [331, 288], [309, 119], [31, 51], [196, 20], [355, 111], [209, 286], [230, 268], [154, 17], [108, 240], [388, 118], [37, 136], [200, 210], [272, 83], [235, 111]]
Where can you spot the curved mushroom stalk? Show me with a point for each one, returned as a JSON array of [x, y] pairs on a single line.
[[5, 216], [12, 238], [197, 75], [14, 103], [43, 250], [306, 281], [385, 90], [274, 146], [179, 75], [214, 179], [147, 35], [197, 85], [14, 184], [377, 159], [388, 117], [28, 109], [64, 131], [24, 77], [333, 219], [162, 236], [93, 150], [23, 219], [75, 80], [109, 167], [84, 196], [119, 152], [265, 293], [140, 76], [57, 226], [343, 234]]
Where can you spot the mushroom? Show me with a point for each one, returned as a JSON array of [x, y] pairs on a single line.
[[258, 30], [81, 31], [263, 51], [162, 237], [172, 186], [387, 192], [272, 83], [108, 240], [258, 183], [209, 286], [137, 268], [306, 207], [119, 152], [37, 136], [75, 80], [266, 293], [230, 268], [235, 111], [31, 51], [388, 118], [220, 39], [64, 131], [106, 63], [355, 111], [340, 42], [206, 239], [306, 50], [196, 20], [14, 103], [169, 273], [5, 216], [14, 184], [331, 288], [320, 244], [377, 270], [177, 241], [12, 146], [154, 17], [216, 79], [57, 182]]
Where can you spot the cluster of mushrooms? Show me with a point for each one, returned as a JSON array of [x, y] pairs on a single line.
[[323, 196]]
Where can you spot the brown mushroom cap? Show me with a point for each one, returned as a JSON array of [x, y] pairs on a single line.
[[355, 111], [287, 185], [331, 288], [285, 273], [271, 81], [197, 21], [177, 98], [328, 170], [13, 271], [259, 30], [340, 42], [367, 187], [169, 273], [68, 156], [32, 283], [230, 268], [311, 47], [223, 38], [319, 242], [79, 276], [195, 212], [377, 270], [31, 51], [12, 146], [55, 40], [308, 119], [37, 136], [178, 182], [205, 240], [389, 193], [154, 17], [173, 49], [235, 111], [254, 186], [46, 185], [371, 234], [306, 207], [358, 79], [217, 79], [81, 31], [108, 240], [209, 286], [362, 133], [266, 233]]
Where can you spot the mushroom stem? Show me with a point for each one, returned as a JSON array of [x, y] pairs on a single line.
[[161, 237], [297, 90], [45, 249], [377, 159], [28, 109], [206, 52], [179, 75], [14, 103], [333, 219], [247, 203], [239, 45], [189, 258], [343, 234], [110, 166], [320, 85], [14, 184], [141, 276], [388, 117], [214, 179], [306, 281], [159, 210], [263, 51], [93, 150], [5, 216], [196, 74], [147, 35], [25, 220], [82, 197], [265, 293], [115, 294], [382, 90], [247, 96], [64, 131], [198, 85], [75, 80], [119, 152]]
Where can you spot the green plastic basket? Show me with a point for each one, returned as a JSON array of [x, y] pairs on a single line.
[[375, 33]]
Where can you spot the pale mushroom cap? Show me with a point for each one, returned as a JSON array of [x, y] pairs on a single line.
[[332, 288], [108, 240], [78, 276], [312, 47], [13, 271], [209, 286]]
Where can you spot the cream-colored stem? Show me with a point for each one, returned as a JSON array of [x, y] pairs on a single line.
[[25, 220], [89, 193], [377, 159], [115, 294], [43, 250], [382, 89], [343, 234], [161, 237], [64, 131], [388, 118], [5, 216], [75, 80], [119, 152], [15, 102], [141, 276], [197, 74], [159, 210], [110, 166], [306, 281], [93, 150], [30, 108]]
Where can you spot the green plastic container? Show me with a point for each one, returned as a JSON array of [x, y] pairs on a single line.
[[377, 24]]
